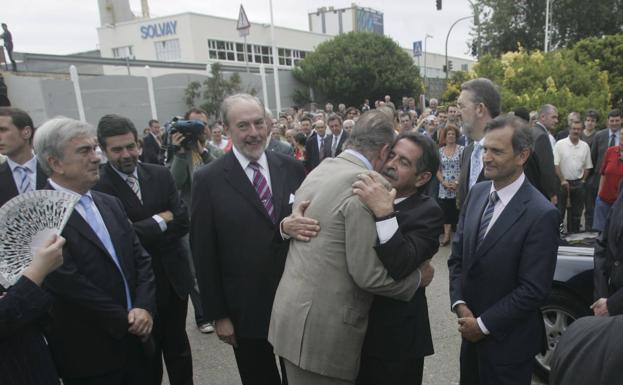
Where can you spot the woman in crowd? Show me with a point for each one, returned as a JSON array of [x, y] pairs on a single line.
[[25, 355], [611, 176], [299, 146], [448, 177]]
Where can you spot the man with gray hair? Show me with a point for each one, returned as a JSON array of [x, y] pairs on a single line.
[[104, 295], [235, 236], [320, 312]]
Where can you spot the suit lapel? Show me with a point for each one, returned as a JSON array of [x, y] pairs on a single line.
[[115, 232], [472, 220], [145, 183], [511, 213], [237, 178], [6, 178], [42, 178], [277, 181]]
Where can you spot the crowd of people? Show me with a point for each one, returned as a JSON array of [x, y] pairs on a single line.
[[304, 240]]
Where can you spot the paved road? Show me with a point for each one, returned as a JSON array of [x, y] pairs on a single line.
[[214, 362]]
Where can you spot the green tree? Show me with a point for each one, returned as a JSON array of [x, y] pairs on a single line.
[[607, 54], [531, 79], [211, 93], [507, 24], [358, 65]]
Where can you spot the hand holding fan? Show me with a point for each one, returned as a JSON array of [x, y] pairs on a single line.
[[26, 223]]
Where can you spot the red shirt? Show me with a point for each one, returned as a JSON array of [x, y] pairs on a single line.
[[611, 173]]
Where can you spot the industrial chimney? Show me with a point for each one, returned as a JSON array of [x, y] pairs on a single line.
[[145, 9], [114, 11]]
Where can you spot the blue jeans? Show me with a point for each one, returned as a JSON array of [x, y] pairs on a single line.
[[600, 214]]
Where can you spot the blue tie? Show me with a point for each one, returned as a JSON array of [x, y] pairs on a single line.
[[487, 215], [102, 233], [24, 177], [476, 164]]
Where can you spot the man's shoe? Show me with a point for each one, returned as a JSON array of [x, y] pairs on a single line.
[[206, 328]]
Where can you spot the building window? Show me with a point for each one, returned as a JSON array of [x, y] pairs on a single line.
[[298, 56], [285, 57], [258, 54], [263, 54], [168, 50], [122, 52], [464, 67]]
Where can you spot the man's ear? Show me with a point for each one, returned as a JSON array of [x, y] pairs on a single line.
[[422, 178], [26, 133]]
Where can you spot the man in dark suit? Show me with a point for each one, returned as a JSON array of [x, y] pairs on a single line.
[[316, 146], [337, 138], [153, 151], [608, 137], [398, 336], [151, 200], [544, 151], [21, 172], [235, 236], [104, 291], [502, 263]]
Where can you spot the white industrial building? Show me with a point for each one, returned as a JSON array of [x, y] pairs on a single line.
[[198, 38]]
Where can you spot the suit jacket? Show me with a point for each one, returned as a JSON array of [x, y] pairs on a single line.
[[320, 312], [507, 277], [608, 273], [545, 155], [152, 152], [8, 189], [159, 194], [312, 152], [598, 151], [88, 335], [340, 144], [399, 330], [238, 251], [277, 145], [26, 359], [574, 361]]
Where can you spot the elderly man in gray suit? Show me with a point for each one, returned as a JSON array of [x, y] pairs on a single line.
[[320, 313]]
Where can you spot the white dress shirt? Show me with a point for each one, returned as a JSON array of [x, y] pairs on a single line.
[[244, 163]]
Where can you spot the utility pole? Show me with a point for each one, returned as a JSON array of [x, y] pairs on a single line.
[[546, 49], [447, 37], [425, 68]]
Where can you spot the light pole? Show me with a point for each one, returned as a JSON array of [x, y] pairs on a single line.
[[425, 68], [547, 6], [275, 61], [447, 37]]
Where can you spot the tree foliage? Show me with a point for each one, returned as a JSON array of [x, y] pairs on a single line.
[[607, 54], [210, 93], [531, 79], [507, 24], [358, 65]]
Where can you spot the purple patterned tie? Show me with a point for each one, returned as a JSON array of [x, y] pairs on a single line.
[[263, 191]]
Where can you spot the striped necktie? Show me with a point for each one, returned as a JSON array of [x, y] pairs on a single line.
[[612, 141], [133, 183], [25, 183], [263, 191], [487, 215]]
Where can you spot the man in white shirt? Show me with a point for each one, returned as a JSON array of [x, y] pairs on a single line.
[[572, 159]]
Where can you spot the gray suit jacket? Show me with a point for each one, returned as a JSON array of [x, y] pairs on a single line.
[[280, 147], [320, 312], [545, 156]]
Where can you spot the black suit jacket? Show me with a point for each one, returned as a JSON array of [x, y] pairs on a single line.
[[507, 277], [159, 194], [312, 152], [399, 330], [545, 155], [598, 151], [340, 144], [26, 359], [152, 152], [239, 253], [88, 335], [8, 189]]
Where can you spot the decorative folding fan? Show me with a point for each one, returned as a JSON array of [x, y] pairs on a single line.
[[26, 223]]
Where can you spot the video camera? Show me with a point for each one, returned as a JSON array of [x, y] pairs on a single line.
[[191, 129]]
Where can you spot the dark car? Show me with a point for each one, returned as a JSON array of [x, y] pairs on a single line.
[[571, 295]]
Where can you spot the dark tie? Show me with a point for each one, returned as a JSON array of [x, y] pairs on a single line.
[[487, 215], [612, 142], [321, 148], [263, 191]]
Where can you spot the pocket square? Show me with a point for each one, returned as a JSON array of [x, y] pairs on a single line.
[[291, 199]]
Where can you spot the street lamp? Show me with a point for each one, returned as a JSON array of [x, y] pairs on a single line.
[[447, 37], [425, 68], [547, 5]]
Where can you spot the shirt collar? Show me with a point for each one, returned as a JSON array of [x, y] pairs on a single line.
[[362, 158], [398, 200], [244, 161], [58, 187], [507, 193], [610, 132], [31, 164], [123, 175]]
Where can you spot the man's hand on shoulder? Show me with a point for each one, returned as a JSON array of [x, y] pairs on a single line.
[[376, 193], [298, 226]]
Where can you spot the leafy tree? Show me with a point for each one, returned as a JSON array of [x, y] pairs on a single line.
[[358, 65], [606, 53], [211, 93], [531, 79], [507, 24]]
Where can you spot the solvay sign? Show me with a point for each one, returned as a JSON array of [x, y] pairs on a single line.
[[165, 28]]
